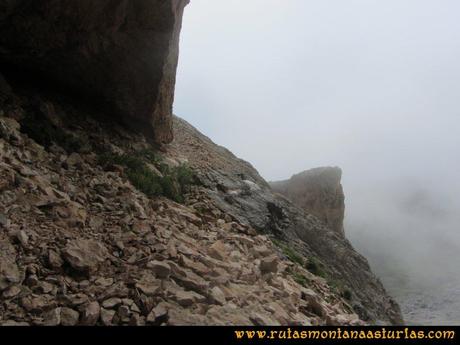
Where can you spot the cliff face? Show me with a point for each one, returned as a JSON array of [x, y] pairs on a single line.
[[120, 54], [319, 192]]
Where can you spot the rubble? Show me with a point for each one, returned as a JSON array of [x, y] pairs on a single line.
[[79, 245]]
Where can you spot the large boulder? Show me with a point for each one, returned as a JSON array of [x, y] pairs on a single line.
[[120, 54]]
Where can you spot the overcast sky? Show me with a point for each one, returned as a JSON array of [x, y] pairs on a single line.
[[369, 85], [372, 86]]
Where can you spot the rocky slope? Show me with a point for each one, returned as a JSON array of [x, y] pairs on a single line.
[[237, 189], [98, 227], [319, 192], [80, 245], [121, 55]]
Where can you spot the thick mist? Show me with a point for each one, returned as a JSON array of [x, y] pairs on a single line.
[[409, 231], [371, 86]]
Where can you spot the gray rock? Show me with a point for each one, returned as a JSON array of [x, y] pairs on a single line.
[[52, 318], [111, 303], [37, 303], [137, 320], [159, 313], [22, 238], [4, 221], [13, 323], [217, 296], [269, 264], [218, 250], [90, 314], [160, 269], [184, 298], [124, 313], [85, 255], [9, 271], [319, 192], [11, 292], [69, 317], [107, 316]]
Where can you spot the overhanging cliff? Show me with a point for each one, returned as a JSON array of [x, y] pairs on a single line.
[[121, 54]]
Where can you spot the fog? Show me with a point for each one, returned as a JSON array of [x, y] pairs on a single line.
[[368, 85]]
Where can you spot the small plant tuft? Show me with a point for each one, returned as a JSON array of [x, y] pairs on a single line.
[[289, 252], [315, 267], [300, 279], [174, 183]]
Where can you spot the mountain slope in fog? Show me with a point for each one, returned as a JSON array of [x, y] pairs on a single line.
[[420, 265]]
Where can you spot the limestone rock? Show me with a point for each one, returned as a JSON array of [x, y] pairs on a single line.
[[158, 314], [90, 314], [217, 295], [263, 320], [148, 285], [9, 271], [269, 264], [85, 255], [69, 317], [12, 323], [160, 269], [111, 303], [11, 292], [22, 238], [124, 313], [37, 303], [53, 317], [4, 221], [121, 53], [107, 316], [54, 260], [187, 298], [319, 192], [218, 250]]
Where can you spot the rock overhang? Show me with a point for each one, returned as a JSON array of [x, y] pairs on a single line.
[[120, 54]]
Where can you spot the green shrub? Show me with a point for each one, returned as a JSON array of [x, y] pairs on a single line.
[[290, 253], [185, 176], [315, 267], [145, 181], [149, 155], [300, 279], [293, 255], [340, 288], [174, 183]]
